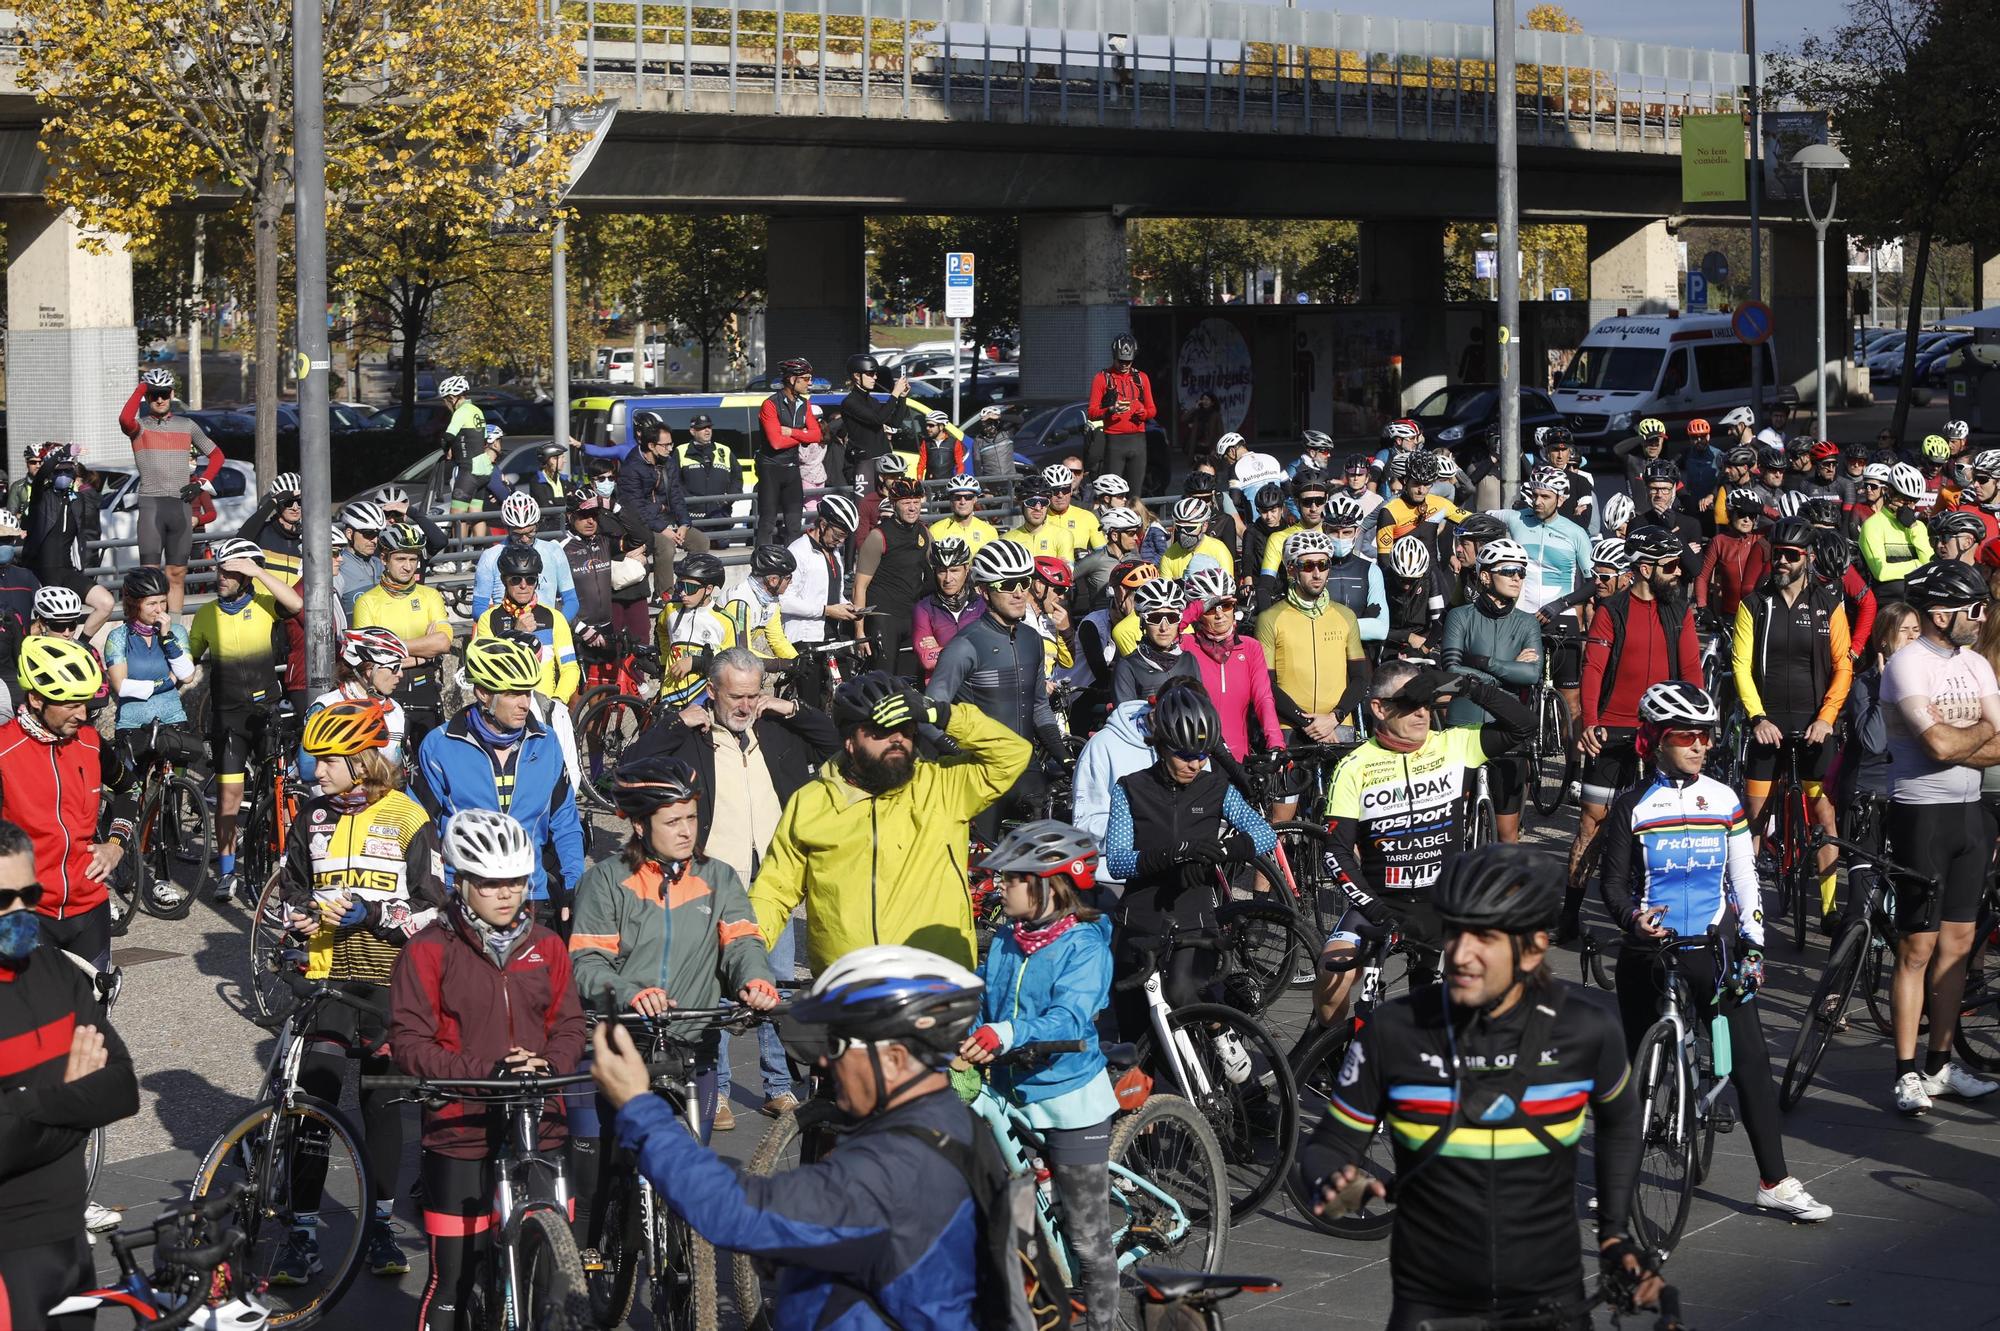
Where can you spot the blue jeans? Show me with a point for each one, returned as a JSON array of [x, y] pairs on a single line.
[[770, 1052]]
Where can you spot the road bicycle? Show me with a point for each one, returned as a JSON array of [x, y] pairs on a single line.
[[620, 666], [1795, 864], [833, 660], [1481, 827], [1595, 961], [199, 1277], [289, 1146], [272, 794], [1718, 677], [1551, 748], [173, 834], [1187, 1300], [1680, 1070], [605, 728], [1301, 864], [532, 1277]]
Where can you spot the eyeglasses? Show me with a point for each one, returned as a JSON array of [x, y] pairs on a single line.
[[493, 889], [29, 896], [1162, 617], [1010, 585], [1687, 739], [1312, 566]]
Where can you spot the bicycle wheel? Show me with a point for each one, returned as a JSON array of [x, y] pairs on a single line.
[[1977, 1037], [1269, 952], [612, 725], [615, 1231], [684, 1291], [1482, 830], [1549, 758], [756, 1289], [1169, 1196], [1305, 850], [1316, 1066], [1798, 862], [176, 831], [1665, 1185], [1252, 1102], [264, 1149], [270, 999], [552, 1288], [1826, 1013], [256, 833], [1878, 974], [94, 1147]]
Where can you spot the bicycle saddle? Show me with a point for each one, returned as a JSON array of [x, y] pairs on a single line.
[[1157, 1285]]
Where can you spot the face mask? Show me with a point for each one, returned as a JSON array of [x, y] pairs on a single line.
[[7, 553], [64, 482], [1343, 546], [605, 488], [20, 934]]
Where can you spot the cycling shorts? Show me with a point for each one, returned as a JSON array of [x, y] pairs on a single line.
[[1764, 761], [1615, 767], [232, 737], [1566, 663], [1947, 846], [1507, 779], [166, 530]]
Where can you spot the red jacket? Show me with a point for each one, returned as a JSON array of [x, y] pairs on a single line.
[[454, 1013], [786, 425], [52, 791], [1730, 569], [1132, 387]]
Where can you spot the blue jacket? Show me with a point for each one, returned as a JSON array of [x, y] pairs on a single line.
[[1055, 994], [557, 585], [458, 774], [1119, 749], [882, 1213]]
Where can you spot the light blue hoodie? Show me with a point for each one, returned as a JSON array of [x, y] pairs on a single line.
[[1117, 750]]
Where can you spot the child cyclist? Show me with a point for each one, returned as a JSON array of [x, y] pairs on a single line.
[[483, 992], [359, 881], [1047, 977], [370, 669], [662, 926]]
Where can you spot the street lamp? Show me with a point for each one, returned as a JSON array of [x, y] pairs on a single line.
[[1820, 157]]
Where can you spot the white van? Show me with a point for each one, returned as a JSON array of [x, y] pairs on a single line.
[[1660, 365]]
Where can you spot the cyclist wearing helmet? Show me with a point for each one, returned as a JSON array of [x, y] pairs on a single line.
[[1084, 531], [1833, 563], [1417, 593], [1660, 489], [61, 613], [163, 445], [891, 570], [1160, 608], [1416, 511], [1491, 637], [1318, 511], [1509, 1137], [1398, 437], [1933, 459], [1793, 663], [592, 545], [964, 522], [1558, 549], [518, 613], [752, 608], [1982, 495], [369, 670], [869, 419], [556, 585], [483, 990], [1313, 644], [1824, 478], [1739, 468], [1232, 664], [146, 661], [362, 522], [1121, 401], [465, 444], [1678, 862], [786, 420], [868, 843], [1955, 535], [1893, 540], [948, 610], [650, 500], [819, 590], [416, 614], [941, 453], [1191, 537], [1315, 454], [691, 629], [1048, 975], [1273, 515], [62, 520], [1037, 534], [1737, 559], [1778, 420], [1556, 447], [497, 754], [1121, 528], [1646, 445], [1049, 614], [885, 1024], [1359, 479], [1097, 652]]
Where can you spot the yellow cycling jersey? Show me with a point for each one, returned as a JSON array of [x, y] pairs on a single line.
[[553, 643], [1084, 532], [1125, 634], [1309, 653], [1405, 805], [1174, 562], [385, 857], [975, 532], [1274, 549], [1399, 519], [416, 613], [755, 623], [1047, 539]]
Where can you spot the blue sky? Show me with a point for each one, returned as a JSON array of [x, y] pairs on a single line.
[[1706, 23]]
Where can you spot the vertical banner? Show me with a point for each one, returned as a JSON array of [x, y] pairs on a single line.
[[1712, 159]]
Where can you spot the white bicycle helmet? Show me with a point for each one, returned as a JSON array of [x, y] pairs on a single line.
[[1738, 416], [1618, 511], [1611, 552], [839, 509], [1160, 594], [235, 548], [1316, 441], [1111, 483], [1789, 503], [1059, 477], [59, 605], [493, 433], [937, 418], [1877, 472], [1119, 519], [1343, 510], [1303, 544], [891, 464], [1447, 466], [1002, 561], [1906, 481], [1548, 478], [286, 483], [890, 993], [158, 378], [1503, 551], [1987, 462], [520, 510], [487, 844], [1191, 512], [362, 515], [963, 485], [1677, 702], [1409, 557], [1403, 431], [1227, 442], [1208, 584], [393, 496], [1956, 430], [454, 386]]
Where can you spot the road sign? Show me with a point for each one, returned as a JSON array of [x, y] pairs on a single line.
[[1561, 293], [1697, 293], [1715, 267], [1752, 322], [958, 284]]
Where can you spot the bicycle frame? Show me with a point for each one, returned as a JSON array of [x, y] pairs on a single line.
[[1676, 1005], [1190, 1077], [515, 1199]]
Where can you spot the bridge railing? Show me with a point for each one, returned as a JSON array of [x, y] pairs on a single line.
[[1181, 64]]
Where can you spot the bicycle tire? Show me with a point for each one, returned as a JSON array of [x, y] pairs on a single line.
[[776, 1153], [1825, 1015], [613, 723], [614, 1232], [691, 1305], [94, 1147], [1798, 860], [1256, 1120], [1976, 1038], [1549, 756], [1316, 1067], [1590, 959], [1666, 1142], [237, 1155], [1315, 889], [1878, 978], [1171, 1146], [1483, 830], [586, 696], [1267, 946], [175, 828], [551, 1273], [269, 998]]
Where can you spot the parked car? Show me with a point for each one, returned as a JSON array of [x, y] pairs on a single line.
[[1886, 366], [118, 503], [1932, 359], [1052, 433], [1463, 415]]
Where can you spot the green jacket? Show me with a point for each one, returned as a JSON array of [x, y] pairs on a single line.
[[1482, 643], [1891, 551], [695, 940]]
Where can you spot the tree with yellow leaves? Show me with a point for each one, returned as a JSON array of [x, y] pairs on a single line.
[[150, 101]]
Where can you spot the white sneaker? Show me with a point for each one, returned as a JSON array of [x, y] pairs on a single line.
[[1955, 1080], [1911, 1097], [99, 1219], [1791, 1197]]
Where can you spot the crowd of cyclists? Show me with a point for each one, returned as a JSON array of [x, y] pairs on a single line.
[[936, 677]]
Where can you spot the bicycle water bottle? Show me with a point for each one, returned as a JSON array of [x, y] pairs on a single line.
[[1718, 1045], [1235, 1059]]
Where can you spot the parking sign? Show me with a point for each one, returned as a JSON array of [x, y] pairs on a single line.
[[958, 284]]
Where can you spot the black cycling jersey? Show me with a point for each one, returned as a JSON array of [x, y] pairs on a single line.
[[1001, 670], [1488, 1222]]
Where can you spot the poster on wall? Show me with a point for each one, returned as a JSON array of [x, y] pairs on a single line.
[[1215, 358], [1313, 371]]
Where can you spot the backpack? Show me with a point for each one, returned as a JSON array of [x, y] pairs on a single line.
[[1020, 1287]]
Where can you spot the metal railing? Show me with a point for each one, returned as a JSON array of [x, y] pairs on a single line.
[[1183, 64]]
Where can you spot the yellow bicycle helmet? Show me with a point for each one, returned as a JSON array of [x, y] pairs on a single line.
[[502, 665], [343, 729], [59, 670], [1651, 426], [1936, 448]]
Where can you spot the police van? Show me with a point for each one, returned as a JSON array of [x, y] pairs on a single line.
[[1673, 368]]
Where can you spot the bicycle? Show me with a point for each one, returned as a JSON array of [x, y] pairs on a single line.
[[1302, 861], [1224, 1063], [107, 985], [619, 666], [1718, 677], [1481, 827], [1796, 864], [1551, 749], [258, 1157], [1680, 1070], [1190, 1301], [272, 794], [834, 659], [610, 724], [533, 1277], [1594, 962], [174, 829], [198, 1271]]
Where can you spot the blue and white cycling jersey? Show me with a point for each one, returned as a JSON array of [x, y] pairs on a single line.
[[1682, 843], [1558, 552]]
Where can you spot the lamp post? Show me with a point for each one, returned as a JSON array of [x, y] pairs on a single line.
[[1820, 157]]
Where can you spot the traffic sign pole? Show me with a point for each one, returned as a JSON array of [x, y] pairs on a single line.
[[958, 276], [957, 335]]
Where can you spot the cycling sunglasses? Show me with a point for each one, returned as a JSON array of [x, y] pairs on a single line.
[[1791, 554], [29, 896], [1163, 617], [1010, 585], [1976, 612], [1220, 603], [1312, 566], [1599, 575], [1312, 501], [1687, 739], [1035, 501], [1187, 757], [1510, 571]]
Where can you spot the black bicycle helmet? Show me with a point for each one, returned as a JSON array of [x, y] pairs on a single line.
[[1310, 481], [402, 538], [1124, 347], [1183, 721], [145, 581], [772, 561], [1792, 533], [1421, 469], [1661, 472], [1833, 553], [1956, 522], [1771, 458], [520, 561], [1270, 495], [857, 699], [950, 552], [1742, 502], [1944, 585], [1199, 483], [1481, 528], [652, 781], [644, 423], [1653, 545], [1509, 888], [701, 568], [1799, 446], [863, 364], [1821, 510]]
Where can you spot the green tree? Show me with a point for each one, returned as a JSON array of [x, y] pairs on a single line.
[[909, 268], [694, 275]]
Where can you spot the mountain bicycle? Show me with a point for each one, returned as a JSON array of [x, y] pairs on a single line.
[[199, 1277], [173, 833], [620, 666]]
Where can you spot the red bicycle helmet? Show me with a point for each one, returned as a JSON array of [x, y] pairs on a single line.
[[1054, 572]]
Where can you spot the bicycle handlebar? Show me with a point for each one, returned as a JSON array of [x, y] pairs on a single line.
[[319, 991], [1035, 1050], [1870, 858], [1152, 945], [535, 1085]]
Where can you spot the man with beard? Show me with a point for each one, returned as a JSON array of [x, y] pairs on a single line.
[[874, 844], [1792, 674]]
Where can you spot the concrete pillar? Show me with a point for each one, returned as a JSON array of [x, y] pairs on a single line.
[[813, 292], [1076, 295], [1985, 280], [1793, 250], [1400, 264], [72, 346], [1634, 267]]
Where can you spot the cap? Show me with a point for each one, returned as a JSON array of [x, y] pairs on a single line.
[[699, 421]]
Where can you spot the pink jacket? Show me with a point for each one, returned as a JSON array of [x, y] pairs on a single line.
[[1239, 682]]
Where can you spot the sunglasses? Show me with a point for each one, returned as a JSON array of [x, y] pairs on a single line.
[[1035, 501], [1187, 757], [1162, 617], [1011, 585], [1312, 566], [1687, 739], [1225, 603], [1975, 612], [1510, 571], [684, 588], [523, 580], [1790, 556], [1596, 576], [1312, 501], [396, 667], [29, 896], [1871, 485]]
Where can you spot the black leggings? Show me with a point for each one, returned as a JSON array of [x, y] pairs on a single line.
[[780, 493], [1408, 1314], [458, 1215], [342, 1032], [87, 935], [1639, 990], [34, 1280]]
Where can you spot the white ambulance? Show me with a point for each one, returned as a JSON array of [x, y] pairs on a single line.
[[1674, 368]]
